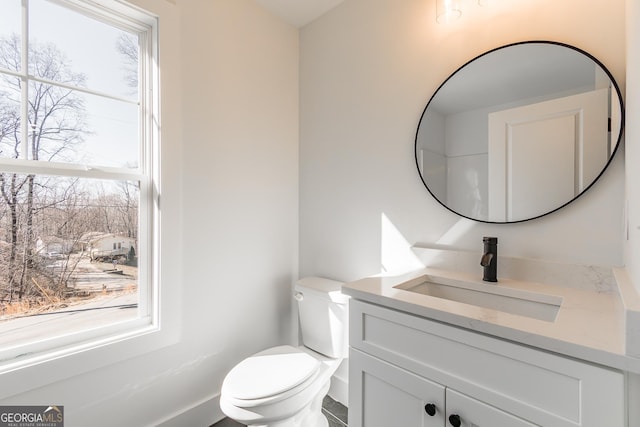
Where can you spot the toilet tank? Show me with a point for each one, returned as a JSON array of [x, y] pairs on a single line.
[[323, 311]]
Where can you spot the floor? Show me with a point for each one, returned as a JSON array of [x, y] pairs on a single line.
[[335, 412]]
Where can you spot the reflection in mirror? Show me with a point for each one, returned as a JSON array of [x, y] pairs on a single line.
[[519, 132]]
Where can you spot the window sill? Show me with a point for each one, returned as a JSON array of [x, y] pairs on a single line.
[[28, 372]]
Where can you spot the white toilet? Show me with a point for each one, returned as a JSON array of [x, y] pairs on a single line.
[[284, 386]]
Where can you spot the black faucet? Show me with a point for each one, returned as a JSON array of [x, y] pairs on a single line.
[[489, 259]]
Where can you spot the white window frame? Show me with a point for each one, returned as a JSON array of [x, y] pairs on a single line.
[[55, 359]]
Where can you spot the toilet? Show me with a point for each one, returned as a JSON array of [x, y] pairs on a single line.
[[284, 386]]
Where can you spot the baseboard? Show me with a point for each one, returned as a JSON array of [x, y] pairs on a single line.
[[204, 413]]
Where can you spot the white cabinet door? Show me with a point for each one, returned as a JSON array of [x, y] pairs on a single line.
[[383, 395], [463, 411]]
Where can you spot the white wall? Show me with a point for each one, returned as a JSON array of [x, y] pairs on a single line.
[[367, 70], [229, 72], [632, 146], [240, 82]]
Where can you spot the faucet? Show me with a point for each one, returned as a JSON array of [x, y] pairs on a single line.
[[489, 259]]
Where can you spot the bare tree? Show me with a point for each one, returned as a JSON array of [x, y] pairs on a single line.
[[65, 213], [127, 46], [56, 125], [128, 208]]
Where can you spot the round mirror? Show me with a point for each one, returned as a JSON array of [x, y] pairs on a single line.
[[519, 132]]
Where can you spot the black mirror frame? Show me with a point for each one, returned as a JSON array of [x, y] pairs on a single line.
[[606, 166]]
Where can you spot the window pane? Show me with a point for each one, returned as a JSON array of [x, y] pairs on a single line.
[[113, 139], [10, 34], [69, 244], [71, 126], [9, 117], [88, 53], [59, 272]]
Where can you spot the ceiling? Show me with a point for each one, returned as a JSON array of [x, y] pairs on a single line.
[[526, 71], [298, 12]]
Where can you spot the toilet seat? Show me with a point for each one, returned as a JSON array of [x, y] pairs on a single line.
[[270, 376]]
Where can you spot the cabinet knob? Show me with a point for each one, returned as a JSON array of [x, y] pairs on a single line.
[[430, 409], [454, 420]]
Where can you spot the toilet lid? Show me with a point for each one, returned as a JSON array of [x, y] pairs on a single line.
[[270, 372]]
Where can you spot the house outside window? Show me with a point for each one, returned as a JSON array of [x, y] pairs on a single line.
[[78, 156]]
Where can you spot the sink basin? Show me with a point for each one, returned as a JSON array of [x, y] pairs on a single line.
[[494, 297]]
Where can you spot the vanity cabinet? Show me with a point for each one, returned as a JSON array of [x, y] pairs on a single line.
[[406, 370]]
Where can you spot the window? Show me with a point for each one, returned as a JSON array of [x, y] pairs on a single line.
[[78, 175]]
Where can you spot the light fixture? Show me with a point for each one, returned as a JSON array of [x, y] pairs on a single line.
[[447, 10], [450, 10]]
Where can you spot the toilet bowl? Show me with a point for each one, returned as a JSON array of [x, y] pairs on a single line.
[[284, 386], [280, 387]]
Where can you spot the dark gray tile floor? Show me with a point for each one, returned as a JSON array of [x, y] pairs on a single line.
[[226, 422], [335, 412]]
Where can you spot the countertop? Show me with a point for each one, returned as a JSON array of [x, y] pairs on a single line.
[[590, 324]]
